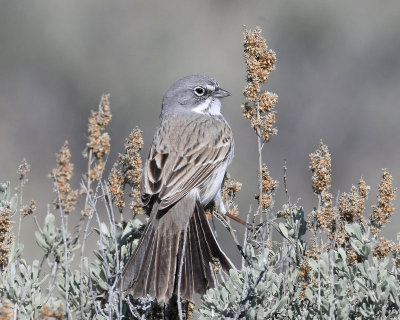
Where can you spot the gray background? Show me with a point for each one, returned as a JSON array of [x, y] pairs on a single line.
[[337, 77]]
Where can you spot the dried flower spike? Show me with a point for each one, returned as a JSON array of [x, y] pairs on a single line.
[[29, 210], [268, 187], [97, 147], [99, 140], [47, 313], [66, 196], [128, 170], [23, 169], [229, 189], [383, 247], [320, 166], [7, 310], [6, 236], [351, 205], [385, 208], [259, 107]]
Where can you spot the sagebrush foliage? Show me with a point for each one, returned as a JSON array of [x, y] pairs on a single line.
[[272, 286]]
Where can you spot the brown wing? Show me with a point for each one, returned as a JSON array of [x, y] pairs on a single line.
[[183, 155]]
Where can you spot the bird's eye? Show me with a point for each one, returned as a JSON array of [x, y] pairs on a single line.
[[199, 91]]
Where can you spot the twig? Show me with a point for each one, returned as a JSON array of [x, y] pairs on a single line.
[[245, 279], [110, 214], [85, 236], [103, 254], [231, 231], [319, 281], [88, 182], [21, 187], [64, 226], [285, 179], [236, 219]]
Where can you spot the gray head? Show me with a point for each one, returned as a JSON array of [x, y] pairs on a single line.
[[194, 94]]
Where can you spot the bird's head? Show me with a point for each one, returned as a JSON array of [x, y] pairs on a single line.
[[194, 94]]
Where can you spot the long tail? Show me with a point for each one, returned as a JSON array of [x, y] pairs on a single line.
[[154, 266]]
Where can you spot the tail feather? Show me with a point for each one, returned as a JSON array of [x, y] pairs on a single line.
[[187, 287], [204, 279], [136, 261], [212, 245], [172, 267], [151, 269], [163, 269], [143, 270], [154, 267]]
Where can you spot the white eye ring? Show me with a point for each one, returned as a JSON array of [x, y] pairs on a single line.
[[199, 91]]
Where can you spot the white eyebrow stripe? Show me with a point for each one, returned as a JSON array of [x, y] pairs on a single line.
[[210, 87]]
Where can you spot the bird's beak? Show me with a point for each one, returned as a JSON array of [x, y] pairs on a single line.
[[221, 93]]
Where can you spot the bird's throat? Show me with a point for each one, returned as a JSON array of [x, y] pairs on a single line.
[[210, 106]]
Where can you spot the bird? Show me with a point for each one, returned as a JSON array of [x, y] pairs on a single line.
[[191, 149]]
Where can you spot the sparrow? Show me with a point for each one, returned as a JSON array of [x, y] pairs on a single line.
[[183, 174]]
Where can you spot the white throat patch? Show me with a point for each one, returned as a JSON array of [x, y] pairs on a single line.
[[210, 106]]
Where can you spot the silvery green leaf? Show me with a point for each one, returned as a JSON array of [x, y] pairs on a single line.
[[37, 299], [86, 263], [43, 280], [323, 267], [313, 264], [104, 229], [309, 294], [14, 203], [35, 269], [12, 253], [4, 191], [12, 272], [342, 254], [24, 271], [126, 232], [49, 219], [283, 230]]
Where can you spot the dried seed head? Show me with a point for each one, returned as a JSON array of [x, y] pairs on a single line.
[[351, 205], [304, 269], [315, 250], [116, 187], [48, 313], [66, 196], [320, 166], [230, 187], [363, 189], [352, 256], [268, 186], [128, 170], [7, 310], [6, 236], [260, 60], [190, 309], [23, 169], [29, 210], [228, 191], [259, 108], [385, 208], [383, 248], [99, 141], [349, 209]]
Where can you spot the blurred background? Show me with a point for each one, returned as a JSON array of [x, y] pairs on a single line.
[[337, 77]]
